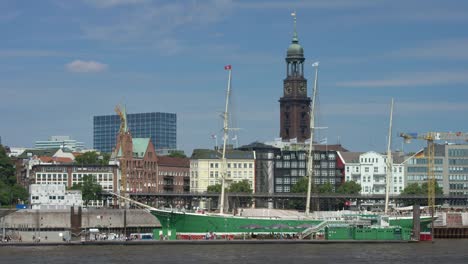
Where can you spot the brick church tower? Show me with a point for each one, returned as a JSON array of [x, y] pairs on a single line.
[[294, 104]]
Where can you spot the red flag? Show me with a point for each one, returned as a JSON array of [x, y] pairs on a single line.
[[227, 67]]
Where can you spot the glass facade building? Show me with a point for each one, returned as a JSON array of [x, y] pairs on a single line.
[[160, 127]]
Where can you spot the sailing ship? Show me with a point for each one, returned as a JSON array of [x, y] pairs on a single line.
[[188, 225]]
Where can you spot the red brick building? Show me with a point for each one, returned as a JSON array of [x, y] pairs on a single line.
[[138, 164], [173, 174]]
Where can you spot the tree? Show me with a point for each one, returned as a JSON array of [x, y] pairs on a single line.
[[438, 190], [90, 189], [214, 188], [92, 158], [350, 187], [240, 187], [177, 154], [412, 189], [7, 170], [10, 191]]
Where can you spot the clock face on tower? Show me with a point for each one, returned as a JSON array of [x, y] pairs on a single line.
[[302, 88], [287, 88]]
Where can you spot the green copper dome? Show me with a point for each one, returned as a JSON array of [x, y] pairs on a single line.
[[295, 50]]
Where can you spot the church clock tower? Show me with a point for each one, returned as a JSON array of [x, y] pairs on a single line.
[[294, 104]]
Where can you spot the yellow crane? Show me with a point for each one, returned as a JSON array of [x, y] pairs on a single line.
[[430, 137], [123, 131]]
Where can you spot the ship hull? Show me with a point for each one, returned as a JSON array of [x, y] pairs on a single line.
[[190, 223]]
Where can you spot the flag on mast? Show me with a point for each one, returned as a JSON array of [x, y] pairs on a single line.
[[228, 67], [315, 64]]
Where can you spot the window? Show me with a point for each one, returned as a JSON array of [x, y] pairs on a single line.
[[211, 174], [376, 169], [366, 169], [250, 165]]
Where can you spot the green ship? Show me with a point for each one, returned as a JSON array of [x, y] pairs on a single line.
[[196, 225]]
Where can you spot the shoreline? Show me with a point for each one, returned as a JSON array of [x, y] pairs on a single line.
[[198, 242]]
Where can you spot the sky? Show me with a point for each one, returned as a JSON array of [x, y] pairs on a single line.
[[62, 62]]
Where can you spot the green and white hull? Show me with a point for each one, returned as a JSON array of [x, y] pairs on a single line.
[[192, 223]]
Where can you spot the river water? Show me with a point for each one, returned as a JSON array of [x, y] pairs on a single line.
[[441, 252]]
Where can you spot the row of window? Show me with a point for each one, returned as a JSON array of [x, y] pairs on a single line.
[[376, 169], [458, 152], [458, 186], [216, 165], [424, 169], [173, 173], [458, 177], [458, 169], [423, 161], [423, 177]]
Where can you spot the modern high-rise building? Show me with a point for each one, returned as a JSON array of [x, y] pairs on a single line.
[[160, 127]]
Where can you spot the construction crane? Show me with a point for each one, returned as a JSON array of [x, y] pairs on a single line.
[[430, 137], [123, 131]]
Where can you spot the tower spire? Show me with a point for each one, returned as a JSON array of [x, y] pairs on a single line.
[[294, 39]]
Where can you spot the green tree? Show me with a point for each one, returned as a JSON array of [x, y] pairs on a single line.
[[10, 192], [438, 190], [300, 186], [240, 187], [412, 189], [7, 170], [214, 188], [90, 189], [92, 158], [350, 187], [177, 154]]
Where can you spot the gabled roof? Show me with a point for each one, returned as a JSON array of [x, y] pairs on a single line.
[[140, 145], [39, 153], [351, 157], [230, 154]]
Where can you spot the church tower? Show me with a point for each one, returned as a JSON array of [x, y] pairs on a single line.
[[294, 104]]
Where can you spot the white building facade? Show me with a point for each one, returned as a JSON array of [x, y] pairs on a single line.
[[370, 171], [60, 142], [53, 196], [206, 169]]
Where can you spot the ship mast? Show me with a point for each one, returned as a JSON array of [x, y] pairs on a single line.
[[310, 160], [389, 160], [225, 137]]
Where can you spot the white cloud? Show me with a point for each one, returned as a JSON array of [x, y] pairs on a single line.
[[86, 66], [412, 80], [112, 3]]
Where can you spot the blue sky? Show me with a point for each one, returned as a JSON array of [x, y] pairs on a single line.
[[61, 62]]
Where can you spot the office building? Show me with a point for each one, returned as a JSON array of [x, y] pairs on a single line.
[[450, 168], [60, 142], [160, 127]]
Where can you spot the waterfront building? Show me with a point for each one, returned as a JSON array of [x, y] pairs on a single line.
[[206, 168], [295, 104], [173, 174], [369, 169], [53, 196], [31, 157], [281, 164], [160, 127], [138, 164], [72, 174], [60, 142], [451, 168], [264, 165]]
